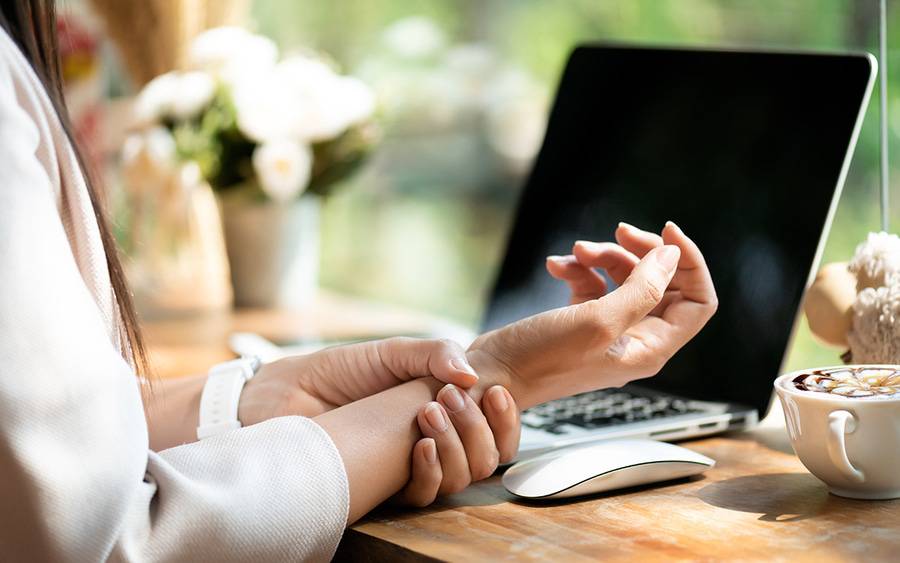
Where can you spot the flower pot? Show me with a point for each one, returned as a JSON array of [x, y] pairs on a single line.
[[177, 264], [273, 250]]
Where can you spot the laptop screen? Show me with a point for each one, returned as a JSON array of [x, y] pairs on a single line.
[[743, 150]]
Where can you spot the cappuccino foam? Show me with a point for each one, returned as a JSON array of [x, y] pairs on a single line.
[[855, 383]]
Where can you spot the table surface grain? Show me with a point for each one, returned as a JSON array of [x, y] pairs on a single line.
[[758, 503]]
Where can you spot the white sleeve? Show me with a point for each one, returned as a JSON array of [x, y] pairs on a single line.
[[77, 478]]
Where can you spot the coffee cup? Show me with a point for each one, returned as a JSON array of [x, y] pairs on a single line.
[[849, 439]]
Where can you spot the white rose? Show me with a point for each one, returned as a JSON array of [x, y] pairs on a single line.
[[181, 95], [155, 100], [332, 107], [193, 92], [330, 103], [356, 101], [283, 168], [267, 108], [300, 98], [313, 86], [231, 51]]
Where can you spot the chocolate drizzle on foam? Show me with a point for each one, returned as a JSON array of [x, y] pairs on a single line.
[[856, 382]]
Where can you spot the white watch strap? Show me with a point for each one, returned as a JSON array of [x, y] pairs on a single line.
[[222, 394]]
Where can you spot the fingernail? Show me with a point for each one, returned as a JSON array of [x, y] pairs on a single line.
[[498, 399], [587, 245], [452, 399], [557, 259], [629, 226], [430, 451], [672, 225], [462, 365], [435, 417], [668, 256]]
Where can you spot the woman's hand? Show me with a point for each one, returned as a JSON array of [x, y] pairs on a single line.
[[461, 443], [312, 384], [665, 297]]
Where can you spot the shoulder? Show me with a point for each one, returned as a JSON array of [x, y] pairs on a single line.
[[19, 134], [29, 129], [14, 71]]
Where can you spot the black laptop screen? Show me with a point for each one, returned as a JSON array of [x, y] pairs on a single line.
[[742, 150]]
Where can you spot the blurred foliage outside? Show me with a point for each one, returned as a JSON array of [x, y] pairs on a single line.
[[465, 86]]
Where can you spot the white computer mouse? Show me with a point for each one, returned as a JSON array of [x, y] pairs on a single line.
[[601, 466]]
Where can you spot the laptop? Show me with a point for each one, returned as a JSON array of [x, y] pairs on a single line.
[[747, 152]]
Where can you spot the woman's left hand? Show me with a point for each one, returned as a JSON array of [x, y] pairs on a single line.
[[315, 383]]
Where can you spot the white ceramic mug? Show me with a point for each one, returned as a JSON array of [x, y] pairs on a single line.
[[853, 445]]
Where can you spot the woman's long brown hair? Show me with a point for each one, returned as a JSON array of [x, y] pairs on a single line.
[[32, 25]]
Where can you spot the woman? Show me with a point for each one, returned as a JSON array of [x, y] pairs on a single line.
[[86, 477]]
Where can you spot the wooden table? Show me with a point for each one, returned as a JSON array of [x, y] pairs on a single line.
[[758, 503]]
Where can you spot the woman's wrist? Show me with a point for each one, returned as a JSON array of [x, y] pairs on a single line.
[[491, 371], [172, 410], [389, 442]]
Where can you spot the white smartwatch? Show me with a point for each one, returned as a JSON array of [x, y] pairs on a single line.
[[222, 394]]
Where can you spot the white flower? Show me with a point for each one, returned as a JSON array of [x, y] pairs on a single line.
[[356, 101], [414, 37], [876, 260], [181, 95], [155, 100], [267, 108], [333, 106], [300, 98], [283, 168], [193, 92], [228, 51]]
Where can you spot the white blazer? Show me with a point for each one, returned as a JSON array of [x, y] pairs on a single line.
[[78, 480]]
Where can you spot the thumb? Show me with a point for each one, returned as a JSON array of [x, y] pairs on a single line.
[[443, 359], [641, 292]]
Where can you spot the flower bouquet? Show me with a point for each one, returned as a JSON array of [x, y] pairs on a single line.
[[261, 132]]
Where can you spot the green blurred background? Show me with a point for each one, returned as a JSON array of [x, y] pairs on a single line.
[[464, 87]]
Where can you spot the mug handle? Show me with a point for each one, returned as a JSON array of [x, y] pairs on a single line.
[[841, 423]]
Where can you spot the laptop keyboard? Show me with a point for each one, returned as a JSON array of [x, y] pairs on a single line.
[[606, 407]]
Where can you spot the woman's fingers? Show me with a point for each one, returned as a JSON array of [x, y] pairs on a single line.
[[426, 477], [617, 261], [640, 294], [474, 432], [692, 278], [637, 241], [443, 359], [584, 283], [695, 302], [434, 423], [503, 417]]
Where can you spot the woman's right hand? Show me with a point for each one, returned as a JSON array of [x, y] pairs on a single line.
[[603, 339]]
